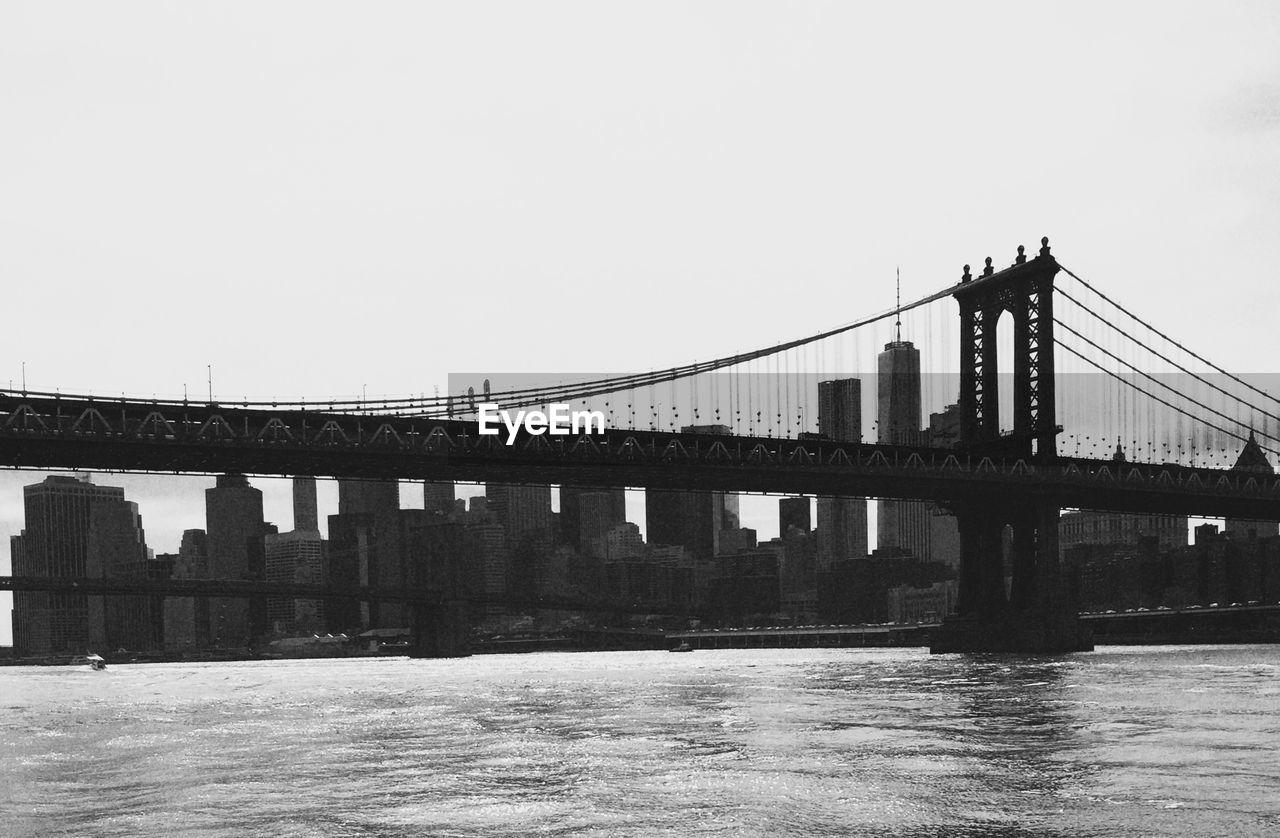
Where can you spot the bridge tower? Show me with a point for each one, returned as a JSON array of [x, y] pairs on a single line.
[[1024, 290], [1036, 613]]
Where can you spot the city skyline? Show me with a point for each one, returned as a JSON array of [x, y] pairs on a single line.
[[220, 222], [309, 232]]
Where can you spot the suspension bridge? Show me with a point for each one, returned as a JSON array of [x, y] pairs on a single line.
[[1124, 418]]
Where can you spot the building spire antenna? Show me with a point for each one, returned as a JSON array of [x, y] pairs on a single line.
[[898, 307]]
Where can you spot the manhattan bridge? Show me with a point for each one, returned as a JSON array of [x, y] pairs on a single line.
[[1100, 410]]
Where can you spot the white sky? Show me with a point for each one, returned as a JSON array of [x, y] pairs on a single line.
[[317, 198]]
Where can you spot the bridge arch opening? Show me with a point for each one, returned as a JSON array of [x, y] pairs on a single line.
[[1004, 369]]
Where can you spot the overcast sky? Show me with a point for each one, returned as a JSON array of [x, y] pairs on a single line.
[[319, 198]]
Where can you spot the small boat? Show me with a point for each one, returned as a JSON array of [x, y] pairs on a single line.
[[683, 647], [95, 661]]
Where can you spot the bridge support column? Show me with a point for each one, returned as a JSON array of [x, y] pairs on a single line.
[[1040, 617], [970, 581], [1026, 533], [440, 630], [440, 553], [991, 561]]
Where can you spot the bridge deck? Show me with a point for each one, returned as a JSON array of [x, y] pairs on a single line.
[[47, 432]]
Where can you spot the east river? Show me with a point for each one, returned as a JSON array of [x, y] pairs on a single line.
[[1122, 741]]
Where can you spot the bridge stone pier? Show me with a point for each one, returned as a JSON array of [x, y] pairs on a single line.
[[440, 631], [1033, 612], [444, 554], [1036, 613]]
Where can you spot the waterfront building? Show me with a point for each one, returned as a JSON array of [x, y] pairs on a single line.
[[73, 528], [295, 557], [186, 619]]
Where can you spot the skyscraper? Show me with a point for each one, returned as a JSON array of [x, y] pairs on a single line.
[[438, 498], [118, 550], [586, 513], [72, 529], [523, 511], [793, 513], [295, 557], [365, 548], [840, 409], [842, 522], [693, 520], [898, 415], [235, 529], [944, 530], [186, 619], [379, 497], [305, 515], [903, 525]]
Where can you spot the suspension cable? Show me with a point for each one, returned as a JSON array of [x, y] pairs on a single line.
[[1169, 360], [1148, 326], [1154, 380], [1127, 383]]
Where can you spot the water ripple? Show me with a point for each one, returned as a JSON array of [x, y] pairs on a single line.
[[1171, 741]]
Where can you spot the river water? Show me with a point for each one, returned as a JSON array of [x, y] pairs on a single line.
[[1123, 741]]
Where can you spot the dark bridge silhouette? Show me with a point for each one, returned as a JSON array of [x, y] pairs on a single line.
[[988, 480]]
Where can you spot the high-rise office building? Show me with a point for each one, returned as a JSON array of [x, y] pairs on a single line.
[[305, 511], [898, 413], [365, 548], [438, 498], [902, 524], [840, 409], [118, 550], [295, 557], [842, 522], [692, 520], [375, 497], [793, 513], [186, 619], [523, 511], [944, 530], [586, 513], [72, 529], [235, 532]]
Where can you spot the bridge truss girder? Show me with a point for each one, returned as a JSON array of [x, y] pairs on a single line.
[[212, 439]]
